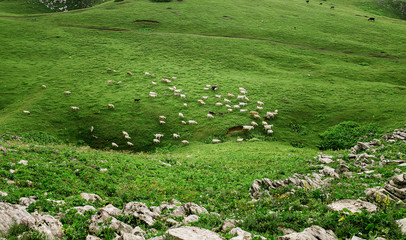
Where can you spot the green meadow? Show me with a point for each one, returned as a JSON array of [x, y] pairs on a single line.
[[318, 66]]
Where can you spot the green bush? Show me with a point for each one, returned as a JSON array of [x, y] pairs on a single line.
[[40, 138], [347, 134]]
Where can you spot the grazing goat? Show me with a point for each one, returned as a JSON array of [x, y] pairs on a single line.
[[205, 97], [201, 102], [259, 108], [192, 122], [185, 105], [124, 133], [217, 96], [162, 122], [260, 103], [67, 92], [114, 145], [156, 140], [181, 115], [269, 132], [182, 96], [229, 110], [162, 117], [74, 108], [127, 137], [228, 106], [230, 95], [254, 123], [236, 106], [185, 141], [221, 114], [243, 110], [120, 82], [226, 100], [147, 73], [216, 141], [110, 105], [44, 86], [208, 86], [243, 104], [240, 97], [129, 73], [153, 94], [214, 87], [110, 81], [240, 139], [264, 123], [91, 129], [267, 127], [219, 104], [206, 89], [253, 112], [257, 116], [153, 83], [183, 122], [213, 113], [158, 135], [176, 135], [210, 116], [130, 144], [26, 112]]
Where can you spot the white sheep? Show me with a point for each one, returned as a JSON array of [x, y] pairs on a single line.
[[219, 104], [249, 128], [253, 112], [158, 135], [185, 141], [210, 115], [257, 116], [264, 123], [246, 99], [218, 96], [260, 103], [171, 89], [226, 100], [147, 73], [110, 105], [162, 122], [205, 97], [44, 86], [91, 129], [236, 106], [269, 132], [156, 140], [208, 86], [243, 104], [176, 135], [185, 105], [243, 92], [129, 73], [267, 127], [216, 141], [269, 115], [125, 133], [240, 97], [191, 122], [243, 110], [26, 112], [153, 94], [230, 95], [201, 102], [162, 117], [120, 82], [182, 96], [259, 108], [110, 81], [240, 139], [74, 108], [130, 144], [174, 78], [254, 123], [176, 93], [181, 115], [229, 110], [183, 122], [127, 137], [206, 89], [67, 92], [177, 90], [228, 106], [153, 83], [114, 144]]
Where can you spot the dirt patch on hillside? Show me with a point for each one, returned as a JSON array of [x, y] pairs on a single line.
[[235, 129], [146, 21]]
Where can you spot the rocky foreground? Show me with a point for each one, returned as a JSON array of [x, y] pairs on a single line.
[[179, 215]]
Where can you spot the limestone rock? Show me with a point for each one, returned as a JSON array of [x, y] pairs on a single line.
[[90, 197], [120, 227], [100, 217], [312, 233], [129, 236], [157, 238], [352, 205], [3, 194], [241, 234], [191, 218], [90, 237], [329, 171], [395, 189], [356, 238], [27, 201], [188, 209], [82, 210], [111, 210], [11, 214], [140, 211], [49, 225], [192, 233], [229, 224], [23, 162], [402, 225], [326, 159], [138, 231]]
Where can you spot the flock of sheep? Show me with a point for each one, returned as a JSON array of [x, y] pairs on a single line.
[[240, 104]]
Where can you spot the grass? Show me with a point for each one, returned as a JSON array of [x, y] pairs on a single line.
[[270, 59]]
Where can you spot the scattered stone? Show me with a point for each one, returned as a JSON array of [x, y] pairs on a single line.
[[59, 202], [397, 135], [172, 222], [326, 159], [352, 205], [140, 211], [103, 169], [241, 234], [129, 236], [188, 209], [82, 210], [329, 171], [111, 210], [312, 233], [191, 218], [12, 171], [230, 224], [356, 238], [101, 216], [139, 232], [120, 227], [364, 146], [175, 202], [157, 238], [27, 201], [286, 231], [90, 197], [3, 194], [192, 233]]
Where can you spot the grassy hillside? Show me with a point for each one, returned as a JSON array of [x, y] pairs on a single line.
[[318, 66]]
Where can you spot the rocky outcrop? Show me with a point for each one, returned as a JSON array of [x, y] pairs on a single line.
[[352, 205], [364, 146], [82, 210], [101, 216], [394, 189], [241, 234], [402, 225], [48, 225], [11, 214], [192, 233], [190, 219], [27, 201], [323, 158], [140, 211], [312, 233], [397, 135]]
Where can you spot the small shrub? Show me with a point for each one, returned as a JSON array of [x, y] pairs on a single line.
[[40, 138], [347, 134]]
